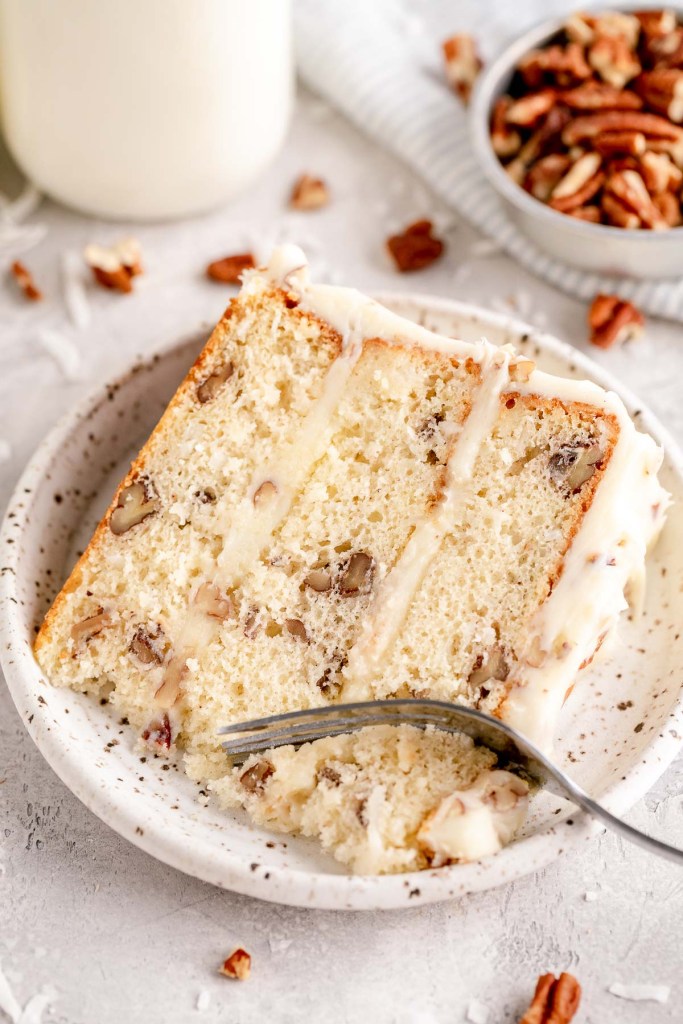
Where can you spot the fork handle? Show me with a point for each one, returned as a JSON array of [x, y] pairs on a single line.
[[633, 835]]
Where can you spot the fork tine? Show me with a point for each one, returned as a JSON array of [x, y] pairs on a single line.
[[394, 708]]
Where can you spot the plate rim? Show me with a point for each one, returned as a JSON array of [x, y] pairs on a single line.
[[283, 884]]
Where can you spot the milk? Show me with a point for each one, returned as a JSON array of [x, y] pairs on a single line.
[[144, 108]]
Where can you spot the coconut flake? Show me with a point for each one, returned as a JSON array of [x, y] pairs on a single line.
[[203, 1000], [8, 1001], [591, 897], [477, 1013], [641, 993], [35, 1007], [75, 295], [63, 351]]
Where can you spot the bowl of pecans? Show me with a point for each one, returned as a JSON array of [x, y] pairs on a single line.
[[579, 127]]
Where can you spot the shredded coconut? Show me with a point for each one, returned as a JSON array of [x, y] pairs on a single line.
[[477, 1013], [641, 993], [63, 351], [75, 295], [203, 1000], [8, 1001]]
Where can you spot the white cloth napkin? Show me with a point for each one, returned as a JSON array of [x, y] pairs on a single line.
[[379, 62]]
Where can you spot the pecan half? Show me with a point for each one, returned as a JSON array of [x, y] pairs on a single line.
[[462, 64], [309, 193], [135, 502], [504, 139], [564, 65], [22, 275], [613, 321], [629, 188], [660, 173], [579, 185], [589, 126], [229, 269], [601, 96], [629, 143], [555, 1001], [614, 60], [618, 215], [669, 207], [662, 90], [545, 174], [528, 110], [416, 247]]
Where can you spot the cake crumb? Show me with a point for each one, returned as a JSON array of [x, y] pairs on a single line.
[[24, 278]]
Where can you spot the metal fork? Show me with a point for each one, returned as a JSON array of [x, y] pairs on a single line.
[[297, 727]]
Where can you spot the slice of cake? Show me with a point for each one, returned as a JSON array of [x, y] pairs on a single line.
[[339, 504]]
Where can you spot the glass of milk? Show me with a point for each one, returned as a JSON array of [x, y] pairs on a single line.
[[144, 109]]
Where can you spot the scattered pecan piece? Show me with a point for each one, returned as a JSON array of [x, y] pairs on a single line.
[[309, 193], [229, 269], [462, 64], [22, 275], [555, 1001], [114, 267], [613, 321], [158, 733], [416, 247], [237, 965]]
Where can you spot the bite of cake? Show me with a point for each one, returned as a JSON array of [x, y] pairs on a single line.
[[339, 504]]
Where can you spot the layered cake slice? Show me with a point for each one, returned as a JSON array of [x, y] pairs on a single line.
[[339, 504]]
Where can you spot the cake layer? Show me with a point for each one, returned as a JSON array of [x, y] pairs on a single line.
[[385, 799]]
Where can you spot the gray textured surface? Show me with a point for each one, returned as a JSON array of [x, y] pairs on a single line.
[[121, 938]]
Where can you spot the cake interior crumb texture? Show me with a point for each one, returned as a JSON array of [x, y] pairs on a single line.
[[339, 504]]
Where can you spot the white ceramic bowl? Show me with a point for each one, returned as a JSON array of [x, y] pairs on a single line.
[[598, 247], [616, 754]]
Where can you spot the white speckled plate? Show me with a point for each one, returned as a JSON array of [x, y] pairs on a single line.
[[620, 729]]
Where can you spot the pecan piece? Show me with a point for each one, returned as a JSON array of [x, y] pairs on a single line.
[[614, 60], [662, 90], [601, 96], [555, 1001], [504, 139], [462, 64], [618, 215], [492, 665], [158, 733], [264, 493], [84, 631], [573, 464], [147, 646], [211, 600], [564, 65], [237, 965], [309, 193], [416, 247], [591, 214], [22, 275], [527, 111], [669, 206], [296, 628], [654, 24], [209, 388], [135, 502], [116, 266], [229, 269], [254, 778], [579, 185], [174, 673], [613, 321], [629, 188], [357, 575], [611, 143], [587, 127], [544, 175], [319, 580], [660, 173]]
